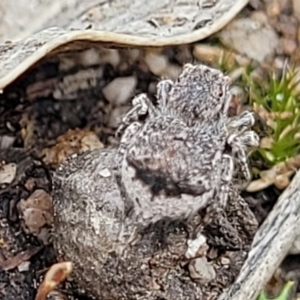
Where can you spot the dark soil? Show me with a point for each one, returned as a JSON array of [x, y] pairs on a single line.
[[45, 120]]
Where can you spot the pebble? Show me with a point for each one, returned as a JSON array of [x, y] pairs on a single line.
[[7, 172], [36, 211], [253, 37], [90, 57], [24, 266], [6, 141], [157, 63], [195, 245], [296, 8], [134, 54], [172, 72], [212, 54], [273, 8], [201, 270], [225, 261], [289, 46], [119, 91], [105, 173], [111, 56]]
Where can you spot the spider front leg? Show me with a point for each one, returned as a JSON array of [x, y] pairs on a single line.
[[240, 123], [141, 105], [227, 172], [163, 89], [129, 134], [240, 145], [216, 212], [240, 138]]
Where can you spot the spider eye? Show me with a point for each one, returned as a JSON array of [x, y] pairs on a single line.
[[195, 89]]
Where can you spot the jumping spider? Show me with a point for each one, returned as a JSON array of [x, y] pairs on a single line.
[[186, 152]]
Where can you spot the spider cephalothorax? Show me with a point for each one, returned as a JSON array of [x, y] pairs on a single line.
[[200, 93]]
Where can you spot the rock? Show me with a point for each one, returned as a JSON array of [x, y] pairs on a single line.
[[120, 90], [289, 46], [296, 8], [6, 141], [196, 246], [36, 211], [115, 259], [273, 8], [157, 63], [201, 270], [7, 172], [253, 37]]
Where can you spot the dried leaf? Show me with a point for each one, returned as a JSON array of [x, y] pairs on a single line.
[[54, 276], [131, 23], [73, 141], [16, 260]]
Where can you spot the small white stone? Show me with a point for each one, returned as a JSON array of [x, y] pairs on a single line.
[[105, 173], [251, 36], [195, 245], [134, 54], [24, 266], [157, 63], [8, 173], [111, 56], [120, 90], [201, 270], [6, 141], [225, 261], [90, 57]]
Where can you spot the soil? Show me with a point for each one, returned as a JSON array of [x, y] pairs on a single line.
[[35, 120]]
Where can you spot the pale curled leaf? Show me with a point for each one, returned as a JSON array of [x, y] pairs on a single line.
[[73, 24], [160, 18]]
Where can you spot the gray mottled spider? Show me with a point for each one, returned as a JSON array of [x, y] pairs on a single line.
[[184, 154]]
